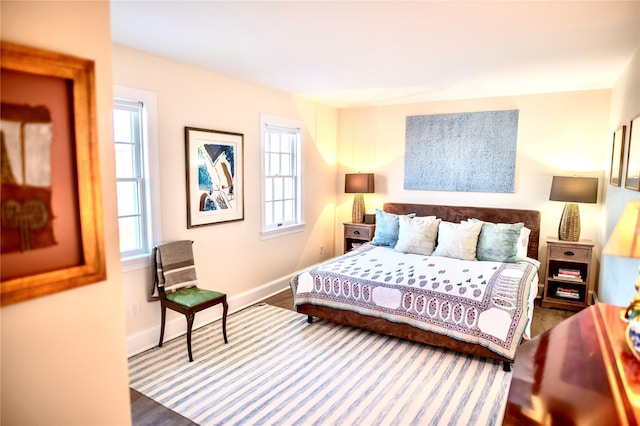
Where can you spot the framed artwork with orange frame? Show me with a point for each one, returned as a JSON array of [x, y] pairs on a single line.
[[51, 211]]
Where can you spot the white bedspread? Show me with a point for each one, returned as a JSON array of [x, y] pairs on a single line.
[[484, 303]]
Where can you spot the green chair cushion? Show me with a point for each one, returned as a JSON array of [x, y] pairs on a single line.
[[193, 296]]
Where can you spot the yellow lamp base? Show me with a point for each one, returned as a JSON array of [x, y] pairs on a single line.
[[569, 228], [357, 212]]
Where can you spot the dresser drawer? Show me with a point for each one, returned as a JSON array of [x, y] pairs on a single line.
[[359, 232], [570, 254]]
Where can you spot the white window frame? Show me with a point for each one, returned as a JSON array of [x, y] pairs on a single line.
[[298, 225], [151, 174]]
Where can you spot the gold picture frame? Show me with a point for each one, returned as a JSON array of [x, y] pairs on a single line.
[[64, 87], [617, 156]]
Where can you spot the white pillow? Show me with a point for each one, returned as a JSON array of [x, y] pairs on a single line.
[[523, 242], [417, 235], [458, 240]]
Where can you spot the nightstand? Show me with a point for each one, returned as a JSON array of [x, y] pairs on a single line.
[[356, 234], [568, 282]]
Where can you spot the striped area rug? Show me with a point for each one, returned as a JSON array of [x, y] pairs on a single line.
[[279, 370]]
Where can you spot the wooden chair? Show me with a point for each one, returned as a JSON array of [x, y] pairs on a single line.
[[187, 300]]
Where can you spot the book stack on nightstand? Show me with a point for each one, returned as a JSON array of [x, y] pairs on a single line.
[[573, 275]]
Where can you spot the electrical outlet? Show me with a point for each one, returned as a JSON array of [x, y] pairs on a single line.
[[135, 310]]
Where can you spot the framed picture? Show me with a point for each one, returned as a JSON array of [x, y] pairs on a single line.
[[215, 183], [51, 211], [617, 156], [632, 179]]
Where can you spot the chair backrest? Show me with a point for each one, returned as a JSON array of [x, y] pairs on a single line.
[[175, 266]]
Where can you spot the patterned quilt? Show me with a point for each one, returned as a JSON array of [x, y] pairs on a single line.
[[484, 303]]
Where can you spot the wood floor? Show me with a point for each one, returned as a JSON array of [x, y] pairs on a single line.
[[145, 411]]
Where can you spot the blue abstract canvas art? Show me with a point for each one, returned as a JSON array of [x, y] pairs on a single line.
[[215, 176], [470, 152]]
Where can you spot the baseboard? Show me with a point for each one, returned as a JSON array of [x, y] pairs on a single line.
[[147, 339]]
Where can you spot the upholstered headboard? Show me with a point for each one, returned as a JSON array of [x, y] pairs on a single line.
[[530, 218]]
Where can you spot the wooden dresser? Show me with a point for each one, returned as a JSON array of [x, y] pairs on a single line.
[[579, 372]]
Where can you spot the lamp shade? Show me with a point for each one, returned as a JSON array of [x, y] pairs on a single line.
[[574, 189], [625, 238], [359, 183]]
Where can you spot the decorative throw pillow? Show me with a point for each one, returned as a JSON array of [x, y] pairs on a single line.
[[523, 242], [458, 240], [387, 228], [417, 235], [498, 242]]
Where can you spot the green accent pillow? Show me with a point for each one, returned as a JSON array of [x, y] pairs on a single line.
[[498, 242], [192, 296]]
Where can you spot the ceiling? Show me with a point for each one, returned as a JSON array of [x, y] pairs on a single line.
[[357, 53]]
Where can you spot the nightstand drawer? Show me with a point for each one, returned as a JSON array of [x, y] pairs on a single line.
[[570, 254], [358, 232]]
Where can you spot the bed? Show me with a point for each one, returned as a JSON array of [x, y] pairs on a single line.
[[480, 307]]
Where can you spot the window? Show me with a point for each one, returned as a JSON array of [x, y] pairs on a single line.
[[282, 176], [134, 124]]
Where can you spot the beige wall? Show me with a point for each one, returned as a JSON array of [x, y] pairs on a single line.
[[64, 355], [618, 274], [230, 257], [558, 134]]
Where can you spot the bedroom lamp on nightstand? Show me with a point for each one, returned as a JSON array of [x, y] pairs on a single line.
[[625, 242], [572, 190], [358, 184]]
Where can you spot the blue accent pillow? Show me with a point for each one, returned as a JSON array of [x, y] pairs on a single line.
[[498, 242], [387, 229]]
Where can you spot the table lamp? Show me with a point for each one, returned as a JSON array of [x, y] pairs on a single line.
[[625, 242], [358, 184], [572, 190]]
